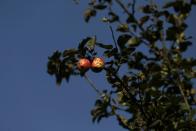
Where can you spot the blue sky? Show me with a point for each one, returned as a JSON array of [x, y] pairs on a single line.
[[30, 30]]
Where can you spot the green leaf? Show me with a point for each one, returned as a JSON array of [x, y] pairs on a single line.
[[169, 4], [193, 92], [58, 79], [113, 17], [88, 14], [148, 9], [56, 55], [154, 123], [123, 121], [184, 45], [91, 43], [53, 63], [110, 53], [104, 46], [83, 43], [131, 19], [184, 107], [123, 28], [70, 52], [122, 40], [179, 6], [106, 20], [144, 19], [171, 33], [193, 2], [87, 44], [134, 41], [100, 6], [100, 110]]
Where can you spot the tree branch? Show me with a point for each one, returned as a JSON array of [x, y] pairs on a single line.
[[177, 82], [133, 7], [123, 7], [113, 37], [92, 85]]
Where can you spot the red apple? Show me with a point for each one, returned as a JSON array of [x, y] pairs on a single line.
[[84, 64], [97, 64]]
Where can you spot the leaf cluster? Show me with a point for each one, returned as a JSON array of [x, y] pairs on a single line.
[[156, 92]]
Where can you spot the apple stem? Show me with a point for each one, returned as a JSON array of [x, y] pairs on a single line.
[[92, 85]]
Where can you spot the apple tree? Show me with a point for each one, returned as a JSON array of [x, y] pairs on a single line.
[[157, 90]]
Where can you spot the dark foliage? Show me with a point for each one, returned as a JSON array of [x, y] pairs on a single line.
[[157, 92]]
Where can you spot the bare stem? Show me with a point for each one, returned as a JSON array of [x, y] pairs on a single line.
[[92, 85], [113, 37], [133, 7], [123, 7]]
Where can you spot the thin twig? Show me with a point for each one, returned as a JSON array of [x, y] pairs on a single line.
[[92, 85], [133, 7], [123, 7], [113, 37]]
